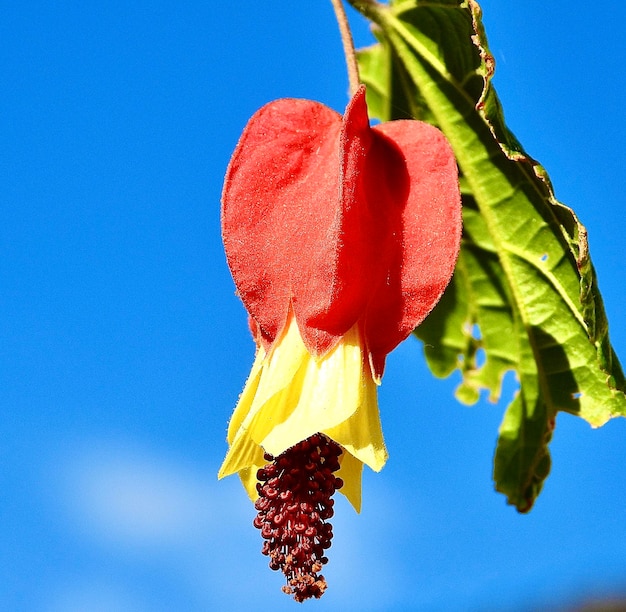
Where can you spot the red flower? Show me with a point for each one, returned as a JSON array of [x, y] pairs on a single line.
[[341, 238]]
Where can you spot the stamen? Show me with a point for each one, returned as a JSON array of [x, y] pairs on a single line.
[[295, 491]]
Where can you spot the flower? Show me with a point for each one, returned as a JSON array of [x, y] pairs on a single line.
[[340, 238]]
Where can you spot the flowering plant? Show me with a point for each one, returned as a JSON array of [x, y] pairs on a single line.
[[342, 238]]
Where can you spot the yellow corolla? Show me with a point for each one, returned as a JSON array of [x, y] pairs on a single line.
[[291, 395]]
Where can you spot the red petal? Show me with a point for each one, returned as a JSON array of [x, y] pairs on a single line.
[[285, 149], [423, 252], [335, 287]]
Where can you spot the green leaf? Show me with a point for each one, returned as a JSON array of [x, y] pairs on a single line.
[[524, 296]]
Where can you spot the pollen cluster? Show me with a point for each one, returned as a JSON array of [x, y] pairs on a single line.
[[295, 502]]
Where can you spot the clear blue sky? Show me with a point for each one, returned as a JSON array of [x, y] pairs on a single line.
[[123, 347]]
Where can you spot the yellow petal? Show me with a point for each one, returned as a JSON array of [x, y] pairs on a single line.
[[324, 393], [351, 472], [247, 395], [277, 375], [271, 375], [243, 453], [285, 359], [362, 435], [249, 480]]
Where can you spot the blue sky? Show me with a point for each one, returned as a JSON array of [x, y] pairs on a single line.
[[123, 347]]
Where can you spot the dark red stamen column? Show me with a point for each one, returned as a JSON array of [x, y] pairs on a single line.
[[294, 505]]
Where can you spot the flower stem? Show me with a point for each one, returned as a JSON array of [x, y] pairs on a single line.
[[348, 46]]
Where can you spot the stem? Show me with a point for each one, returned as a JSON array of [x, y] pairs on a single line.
[[348, 46]]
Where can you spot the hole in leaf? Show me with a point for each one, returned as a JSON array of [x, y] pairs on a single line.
[[476, 332], [544, 257], [577, 395], [510, 386]]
